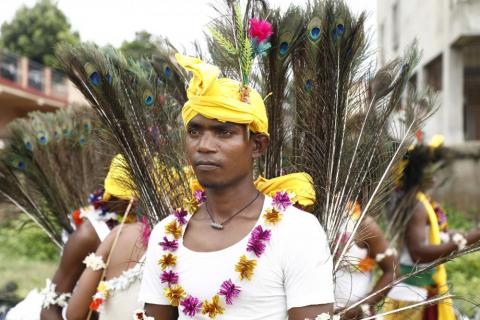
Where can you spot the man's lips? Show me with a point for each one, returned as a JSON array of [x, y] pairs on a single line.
[[206, 165]]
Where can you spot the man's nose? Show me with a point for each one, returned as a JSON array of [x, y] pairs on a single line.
[[206, 143]]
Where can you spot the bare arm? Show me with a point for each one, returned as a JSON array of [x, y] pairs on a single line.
[[415, 239], [162, 312], [78, 305], [377, 244], [309, 312], [82, 241]]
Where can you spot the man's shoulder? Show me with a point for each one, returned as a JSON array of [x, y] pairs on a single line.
[[295, 217], [159, 228]]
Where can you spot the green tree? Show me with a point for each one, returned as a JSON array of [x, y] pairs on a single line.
[[34, 32], [143, 46]]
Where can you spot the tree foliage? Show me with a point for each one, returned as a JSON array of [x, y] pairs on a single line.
[[143, 46], [34, 32]]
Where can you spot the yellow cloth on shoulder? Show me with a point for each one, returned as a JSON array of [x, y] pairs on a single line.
[[445, 307], [117, 182], [299, 184], [219, 99]]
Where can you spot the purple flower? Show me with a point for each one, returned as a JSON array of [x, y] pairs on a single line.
[[256, 246], [191, 306], [281, 200], [169, 277], [180, 214], [168, 245], [260, 234], [200, 196], [229, 290]]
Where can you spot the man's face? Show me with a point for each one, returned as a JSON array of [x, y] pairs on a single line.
[[221, 153]]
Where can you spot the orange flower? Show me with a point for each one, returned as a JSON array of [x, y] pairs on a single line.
[[213, 308], [366, 264], [77, 219], [174, 294], [174, 229], [272, 216], [96, 303], [168, 260], [245, 267], [355, 210]]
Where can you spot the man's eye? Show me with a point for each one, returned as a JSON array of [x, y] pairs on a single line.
[[193, 132], [226, 133]]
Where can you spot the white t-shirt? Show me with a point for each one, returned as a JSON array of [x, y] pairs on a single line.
[[294, 271]]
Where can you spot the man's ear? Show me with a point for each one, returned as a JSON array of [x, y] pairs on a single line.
[[260, 144]]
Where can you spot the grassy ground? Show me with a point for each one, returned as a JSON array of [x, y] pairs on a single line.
[[27, 256]]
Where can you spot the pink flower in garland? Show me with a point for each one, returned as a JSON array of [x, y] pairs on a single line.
[[260, 234], [191, 306], [260, 30], [229, 290], [281, 200], [180, 215], [169, 277], [200, 196], [168, 245]]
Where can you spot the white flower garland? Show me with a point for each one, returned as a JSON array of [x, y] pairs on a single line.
[[459, 241], [51, 298], [125, 280], [94, 262], [388, 253]]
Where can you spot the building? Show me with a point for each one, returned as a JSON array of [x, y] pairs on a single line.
[[448, 33], [27, 86]]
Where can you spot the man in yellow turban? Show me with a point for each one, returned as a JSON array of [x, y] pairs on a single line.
[[247, 252]]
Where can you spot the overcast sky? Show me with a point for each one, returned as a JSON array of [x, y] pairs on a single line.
[[113, 21]]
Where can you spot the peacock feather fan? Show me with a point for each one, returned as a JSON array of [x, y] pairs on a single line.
[[140, 112], [48, 174]]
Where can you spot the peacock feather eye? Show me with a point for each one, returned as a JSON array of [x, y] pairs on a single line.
[[148, 98], [19, 164], [93, 74], [28, 145], [87, 126], [340, 29], [67, 133], [109, 78], [42, 138], [168, 71], [283, 48], [82, 141], [308, 85], [314, 29]]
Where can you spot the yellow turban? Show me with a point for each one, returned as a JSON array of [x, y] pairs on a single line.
[[219, 99], [301, 184], [117, 183]]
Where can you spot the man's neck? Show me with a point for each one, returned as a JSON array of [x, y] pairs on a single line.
[[226, 201]]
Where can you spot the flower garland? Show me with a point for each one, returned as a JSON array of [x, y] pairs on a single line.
[[106, 289], [51, 297], [245, 267]]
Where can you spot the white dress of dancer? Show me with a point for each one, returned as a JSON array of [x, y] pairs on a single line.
[[351, 285], [123, 292], [31, 307]]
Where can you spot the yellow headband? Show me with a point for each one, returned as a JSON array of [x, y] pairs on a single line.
[[117, 183], [219, 99]]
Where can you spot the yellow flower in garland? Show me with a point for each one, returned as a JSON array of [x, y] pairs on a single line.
[[213, 308], [245, 267], [102, 287], [272, 216], [174, 294], [174, 229], [167, 260]]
